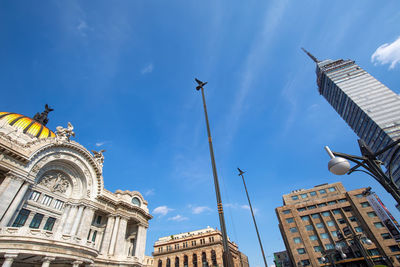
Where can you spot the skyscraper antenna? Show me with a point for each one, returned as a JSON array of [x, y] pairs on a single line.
[[310, 55]]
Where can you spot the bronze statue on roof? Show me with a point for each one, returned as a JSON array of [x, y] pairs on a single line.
[[42, 117]]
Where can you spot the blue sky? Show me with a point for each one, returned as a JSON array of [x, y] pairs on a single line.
[[122, 73]]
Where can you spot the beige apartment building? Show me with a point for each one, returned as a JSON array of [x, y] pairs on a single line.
[[310, 219], [194, 249]]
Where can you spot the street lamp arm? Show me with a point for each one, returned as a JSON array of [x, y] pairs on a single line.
[[349, 157], [370, 174], [386, 148]]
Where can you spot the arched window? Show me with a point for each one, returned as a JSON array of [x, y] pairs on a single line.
[[136, 201], [176, 261], [213, 258], [204, 259], [185, 261], [94, 236], [168, 263], [194, 260], [159, 263]]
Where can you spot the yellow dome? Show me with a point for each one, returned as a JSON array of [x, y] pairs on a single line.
[[28, 125]]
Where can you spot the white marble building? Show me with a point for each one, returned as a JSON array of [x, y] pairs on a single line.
[[54, 209]]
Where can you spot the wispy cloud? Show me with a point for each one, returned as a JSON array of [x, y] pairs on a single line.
[[82, 27], [150, 192], [178, 218], [241, 207], [247, 207], [98, 144], [200, 209], [387, 54], [162, 210], [147, 69]]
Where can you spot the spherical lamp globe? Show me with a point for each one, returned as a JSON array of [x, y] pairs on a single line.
[[339, 166]]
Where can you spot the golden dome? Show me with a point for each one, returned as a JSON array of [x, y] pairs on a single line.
[[28, 125]]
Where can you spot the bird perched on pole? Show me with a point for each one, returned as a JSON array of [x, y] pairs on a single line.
[[200, 83]]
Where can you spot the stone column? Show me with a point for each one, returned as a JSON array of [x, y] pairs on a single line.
[[140, 241], [63, 218], [86, 223], [77, 220], [76, 263], [107, 235], [114, 236], [121, 237], [8, 190], [46, 261], [14, 205], [9, 259], [190, 259], [70, 219]]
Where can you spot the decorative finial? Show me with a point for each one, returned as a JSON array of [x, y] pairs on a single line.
[[310, 55], [200, 84], [42, 117]]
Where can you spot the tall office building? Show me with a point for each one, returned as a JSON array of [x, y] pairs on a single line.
[[327, 221], [370, 108]]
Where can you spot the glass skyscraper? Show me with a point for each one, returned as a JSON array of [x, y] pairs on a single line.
[[370, 108]]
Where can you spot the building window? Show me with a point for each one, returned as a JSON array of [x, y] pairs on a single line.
[[213, 258], [301, 209], [295, 197], [378, 225], [334, 233], [135, 201], [49, 224], [301, 251], [347, 209], [342, 200], [305, 263], [305, 218], [315, 216], [289, 220], [309, 227], [329, 246], [317, 248], [286, 211], [365, 204], [341, 221], [313, 237], [330, 223], [21, 218], [37, 219], [304, 195], [359, 195], [98, 220], [332, 189], [58, 204], [321, 205], [332, 202], [159, 263], [34, 196], [336, 211], [324, 235], [47, 200], [358, 229], [176, 261], [353, 219], [386, 236], [94, 236], [297, 240], [311, 207], [371, 214], [394, 248], [293, 230], [373, 252], [319, 225], [322, 191], [313, 193], [194, 260], [326, 213]]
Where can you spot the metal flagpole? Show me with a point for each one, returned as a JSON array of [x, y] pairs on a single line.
[[252, 214], [227, 258]]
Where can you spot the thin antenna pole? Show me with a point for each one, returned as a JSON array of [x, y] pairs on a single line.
[[227, 258], [254, 219], [310, 55]]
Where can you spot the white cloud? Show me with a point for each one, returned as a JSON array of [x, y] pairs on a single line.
[[162, 210], [147, 69], [387, 54], [200, 209], [247, 207], [100, 144], [178, 218], [150, 192]]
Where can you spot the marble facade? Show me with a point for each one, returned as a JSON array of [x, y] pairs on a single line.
[[54, 209]]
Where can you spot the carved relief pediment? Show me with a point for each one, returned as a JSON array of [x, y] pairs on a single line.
[[56, 182]]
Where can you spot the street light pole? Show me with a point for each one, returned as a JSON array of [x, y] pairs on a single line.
[[339, 165], [252, 214], [227, 258]]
